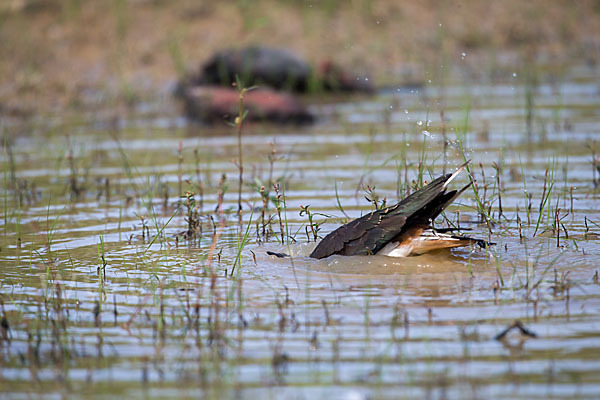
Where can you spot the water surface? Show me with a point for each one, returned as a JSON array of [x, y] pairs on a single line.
[[102, 294]]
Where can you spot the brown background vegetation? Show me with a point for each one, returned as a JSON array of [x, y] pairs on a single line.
[[66, 54]]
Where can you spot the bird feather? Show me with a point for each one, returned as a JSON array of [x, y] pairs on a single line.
[[372, 232]]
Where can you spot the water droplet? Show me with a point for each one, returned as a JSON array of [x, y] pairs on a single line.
[[405, 111], [514, 74], [391, 107], [429, 81], [419, 123], [463, 55], [426, 133]]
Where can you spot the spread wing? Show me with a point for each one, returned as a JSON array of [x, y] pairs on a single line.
[[371, 232]]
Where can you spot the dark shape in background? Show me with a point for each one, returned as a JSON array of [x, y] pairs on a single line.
[[274, 71], [255, 65]]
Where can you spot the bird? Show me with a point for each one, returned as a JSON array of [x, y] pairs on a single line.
[[401, 230]]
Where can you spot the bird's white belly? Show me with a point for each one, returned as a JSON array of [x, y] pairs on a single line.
[[393, 249]]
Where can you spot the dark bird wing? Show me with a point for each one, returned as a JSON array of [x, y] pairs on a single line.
[[370, 233]]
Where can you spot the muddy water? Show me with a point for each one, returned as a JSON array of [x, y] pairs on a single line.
[[103, 297]]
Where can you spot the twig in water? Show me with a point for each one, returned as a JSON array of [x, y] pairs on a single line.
[[518, 325]]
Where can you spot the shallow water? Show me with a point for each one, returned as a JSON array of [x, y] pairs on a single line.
[[157, 321]]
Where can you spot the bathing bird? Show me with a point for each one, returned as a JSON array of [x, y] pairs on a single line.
[[401, 230]]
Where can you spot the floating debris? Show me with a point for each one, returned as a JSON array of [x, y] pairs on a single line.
[[515, 325]]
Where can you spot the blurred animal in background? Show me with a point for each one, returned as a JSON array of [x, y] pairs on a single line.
[[209, 97]]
